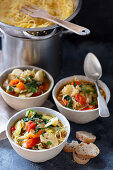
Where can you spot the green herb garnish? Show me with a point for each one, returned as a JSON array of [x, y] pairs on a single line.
[[93, 103], [32, 89], [58, 128], [42, 133], [10, 89], [20, 140], [69, 99], [88, 92], [74, 84], [37, 130], [48, 143], [45, 121]]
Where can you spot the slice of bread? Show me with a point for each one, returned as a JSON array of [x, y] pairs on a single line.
[[79, 159], [70, 147], [86, 137], [87, 150]]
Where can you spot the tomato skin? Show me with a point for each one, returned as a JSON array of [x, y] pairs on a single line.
[[76, 83], [89, 108], [36, 94], [14, 82], [13, 129], [44, 87], [80, 99], [32, 142], [30, 125]]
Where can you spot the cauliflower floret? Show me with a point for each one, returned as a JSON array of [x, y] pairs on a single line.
[[27, 73], [67, 90], [39, 76], [16, 90], [75, 78], [75, 103], [16, 72], [89, 99], [76, 90], [53, 121], [49, 137]]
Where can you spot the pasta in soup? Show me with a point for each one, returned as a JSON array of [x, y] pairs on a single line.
[[26, 83], [79, 95], [38, 131], [10, 14]]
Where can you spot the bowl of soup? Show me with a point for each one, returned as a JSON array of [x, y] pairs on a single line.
[[38, 134], [25, 86], [76, 98]]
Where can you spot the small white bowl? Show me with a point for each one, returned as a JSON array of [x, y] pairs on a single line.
[[77, 116], [38, 155], [23, 103]]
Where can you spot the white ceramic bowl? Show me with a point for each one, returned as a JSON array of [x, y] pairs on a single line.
[[23, 103], [78, 116], [37, 155]]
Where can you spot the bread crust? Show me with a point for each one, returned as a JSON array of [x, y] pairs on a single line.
[[79, 159], [85, 137], [70, 147], [87, 150]]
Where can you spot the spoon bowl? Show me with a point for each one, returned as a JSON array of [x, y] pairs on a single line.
[[92, 67], [93, 70]]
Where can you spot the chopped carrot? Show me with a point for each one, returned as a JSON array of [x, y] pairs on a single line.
[[65, 102], [14, 82], [32, 142], [20, 86], [39, 133]]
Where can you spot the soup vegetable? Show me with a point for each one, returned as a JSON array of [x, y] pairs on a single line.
[[10, 14], [27, 83], [38, 131], [79, 95]]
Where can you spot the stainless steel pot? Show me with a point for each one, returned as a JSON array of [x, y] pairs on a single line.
[[22, 46]]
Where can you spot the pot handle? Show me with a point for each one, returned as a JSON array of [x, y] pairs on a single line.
[[64, 32], [30, 36]]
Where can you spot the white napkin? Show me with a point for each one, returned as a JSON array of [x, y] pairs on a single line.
[[6, 112]]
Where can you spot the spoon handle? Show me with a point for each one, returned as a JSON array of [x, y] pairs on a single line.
[[103, 109]]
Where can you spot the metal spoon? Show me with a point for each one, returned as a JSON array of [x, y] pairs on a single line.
[[93, 70]]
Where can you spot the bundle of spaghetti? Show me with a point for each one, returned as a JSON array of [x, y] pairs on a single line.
[[10, 14]]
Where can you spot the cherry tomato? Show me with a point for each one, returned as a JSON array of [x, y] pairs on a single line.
[[36, 94], [80, 99], [32, 142], [76, 83], [13, 129], [89, 108], [30, 125]]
